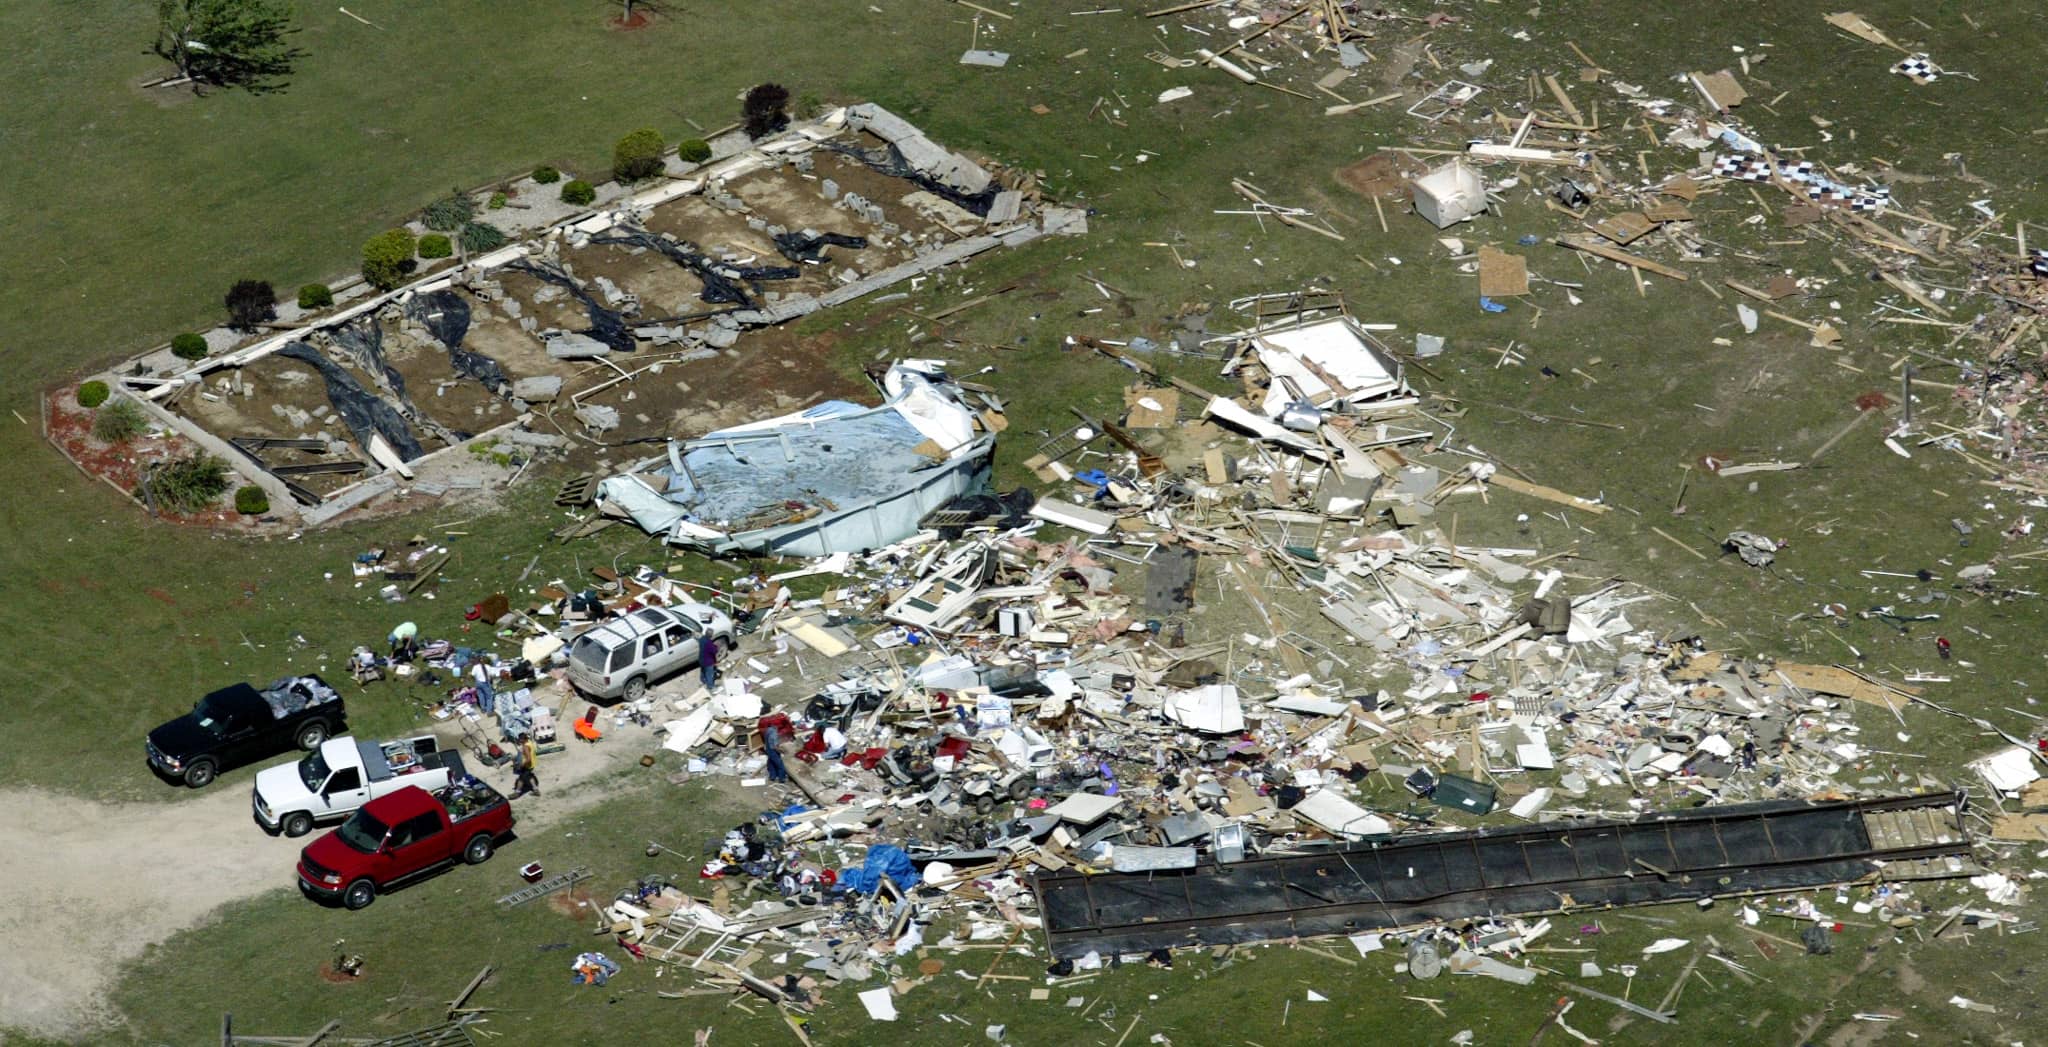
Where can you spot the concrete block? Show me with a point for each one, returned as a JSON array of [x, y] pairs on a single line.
[[538, 389]]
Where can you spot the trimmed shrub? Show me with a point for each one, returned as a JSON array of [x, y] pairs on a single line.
[[638, 155], [479, 237], [119, 421], [762, 110], [250, 302], [92, 394], [189, 484], [387, 257], [448, 213], [497, 202], [546, 175], [578, 192], [315, 296], [189, 346], [693, 150], [251, 500], [436, 245]]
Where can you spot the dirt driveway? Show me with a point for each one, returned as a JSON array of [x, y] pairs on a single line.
[[86, 887]]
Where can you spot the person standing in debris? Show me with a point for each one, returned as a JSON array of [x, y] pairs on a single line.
[[1941, 645], [522, 765], [707, 658], [773, 727]]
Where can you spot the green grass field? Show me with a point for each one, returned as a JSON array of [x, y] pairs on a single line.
[[129, 217]]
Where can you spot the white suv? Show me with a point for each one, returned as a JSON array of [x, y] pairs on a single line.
[[619, 658]]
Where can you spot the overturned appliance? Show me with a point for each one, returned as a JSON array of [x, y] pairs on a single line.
[[836, 477]]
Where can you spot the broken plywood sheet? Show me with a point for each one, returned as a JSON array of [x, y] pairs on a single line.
[[1721, 89], [1623, 228], [2027, 828], [1854, 24], [1841, 683], [1151, 408], [1502, 275]]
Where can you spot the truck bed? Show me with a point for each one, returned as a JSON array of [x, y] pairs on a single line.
[[467, 798]]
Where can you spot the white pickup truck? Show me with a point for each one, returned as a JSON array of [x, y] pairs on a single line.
[[344, 774]]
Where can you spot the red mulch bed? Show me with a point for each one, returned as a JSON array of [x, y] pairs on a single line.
[[122, 465], [640, 20]]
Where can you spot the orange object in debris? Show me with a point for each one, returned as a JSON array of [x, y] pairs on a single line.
[[586, 728]]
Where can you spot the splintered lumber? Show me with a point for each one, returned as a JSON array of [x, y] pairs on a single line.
[[1260, 31], [1655, 1016], [1861, 417], [1281, 212], [1548, 494], [987, 11], [1625, 258]]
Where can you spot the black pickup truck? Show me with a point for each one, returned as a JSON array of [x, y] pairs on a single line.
[[239, 724]]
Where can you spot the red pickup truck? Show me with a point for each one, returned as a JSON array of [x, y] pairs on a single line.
[[402, 836]]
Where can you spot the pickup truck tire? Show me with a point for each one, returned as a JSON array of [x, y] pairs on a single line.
[[359, 895], [200, 774], [636, 689], [312, 734], [298, 823], [479, 849]]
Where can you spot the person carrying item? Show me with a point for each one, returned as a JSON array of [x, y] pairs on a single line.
[[522, 765], [707, 659]]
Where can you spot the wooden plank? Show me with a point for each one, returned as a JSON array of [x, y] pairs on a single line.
[[986, 11], [1557, 90], [1548, 494], [463, 996], [1613, 255]]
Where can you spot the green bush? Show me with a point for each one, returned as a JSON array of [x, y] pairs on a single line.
[[448, 213], [251, 500], [436, 245], [497, 202], [546, 175], [189, 484], [693, 150], [387, 257], [638, 155], [119, 421], [189, 346], [315, 296], [809, 105], [92, 394], [479, 237], [578, 192]]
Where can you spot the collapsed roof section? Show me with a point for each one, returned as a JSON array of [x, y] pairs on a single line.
[[836, 477], [1419, 879]]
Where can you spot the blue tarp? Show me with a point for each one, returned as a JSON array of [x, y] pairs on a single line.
[[885, 860]]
